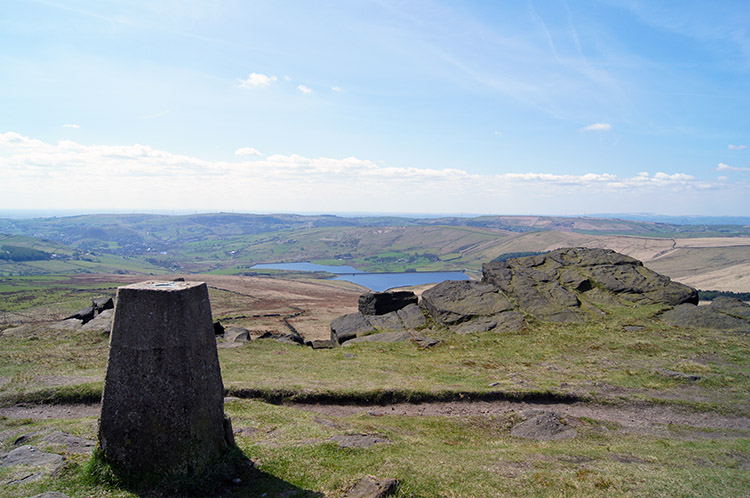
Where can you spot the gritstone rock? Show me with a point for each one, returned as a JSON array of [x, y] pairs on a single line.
[[723, 314], [382, 337], [353, 325], [237, 334], [31, 456], [380, 303], [163, 400], [453, 302], [544, 426], [563, 285], [98, 304], [71, 443], [372, 487]]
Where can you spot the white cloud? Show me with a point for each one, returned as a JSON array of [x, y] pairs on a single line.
[[68, 125], [304, 89], [336, 89], [287, 78], [498, 132], [597, 127], [726, 167], [39, 174], [248, 151], [256, 80], [737, 147]]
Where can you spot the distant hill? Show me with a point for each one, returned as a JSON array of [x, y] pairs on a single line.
[[679, 220], [707, 256]]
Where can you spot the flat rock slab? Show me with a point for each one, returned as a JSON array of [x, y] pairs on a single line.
[[382, 337], [322, 344], [51, 494], [72, 444], [709, 317], [543, 426], [31, 456], [677, 375], [358, 440], [372, 487]]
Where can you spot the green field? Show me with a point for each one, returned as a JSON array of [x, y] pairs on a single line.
[[231, 243]]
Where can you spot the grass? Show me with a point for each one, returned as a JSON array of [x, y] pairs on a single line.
[[433, 456]]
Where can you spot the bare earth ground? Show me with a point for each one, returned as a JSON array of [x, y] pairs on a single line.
[[262, 304], [632, 418]]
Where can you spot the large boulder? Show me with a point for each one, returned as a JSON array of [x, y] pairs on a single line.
[[564, 285], [381, 303], [727, 314], [98, 305], [348, 327], [453, 302]]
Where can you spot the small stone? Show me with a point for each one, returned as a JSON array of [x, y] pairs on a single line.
[[677, 375], [322, 344], [358, 440], [372, 487]]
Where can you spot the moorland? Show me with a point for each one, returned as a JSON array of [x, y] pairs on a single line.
[[441, 419]]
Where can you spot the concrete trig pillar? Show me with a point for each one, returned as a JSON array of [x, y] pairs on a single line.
[[163, 399]]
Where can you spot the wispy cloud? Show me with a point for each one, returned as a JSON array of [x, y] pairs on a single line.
[[68, 125], [248, 151], [737, 147], [597, 127], [336, 89], [304, 89], [256, 80], [726, 167]]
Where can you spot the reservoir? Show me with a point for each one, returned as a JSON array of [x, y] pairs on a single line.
[[377, 282]]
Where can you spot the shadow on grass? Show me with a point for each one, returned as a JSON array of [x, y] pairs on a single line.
[[233, 476]]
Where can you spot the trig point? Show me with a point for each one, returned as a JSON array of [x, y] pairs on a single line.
[[163, 400]]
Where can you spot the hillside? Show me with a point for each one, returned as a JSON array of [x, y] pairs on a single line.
[[711, 257]]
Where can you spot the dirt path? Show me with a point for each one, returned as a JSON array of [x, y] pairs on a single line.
[[43, 412], [635, 418]]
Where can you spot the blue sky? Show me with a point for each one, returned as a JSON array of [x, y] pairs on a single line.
[[492, 107]]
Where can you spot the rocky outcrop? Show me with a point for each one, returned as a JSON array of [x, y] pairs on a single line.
[[470, 306], [381, 303], [723, 313], [566, 284], [98, 305], [408, 316]]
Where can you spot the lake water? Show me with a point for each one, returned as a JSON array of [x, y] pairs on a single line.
[[377, 282]]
